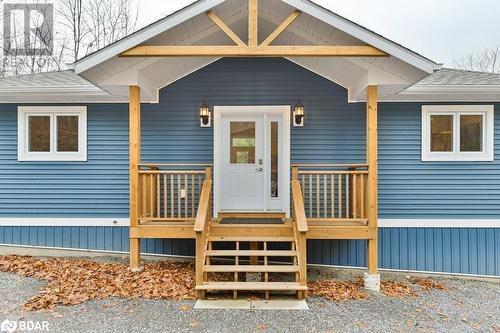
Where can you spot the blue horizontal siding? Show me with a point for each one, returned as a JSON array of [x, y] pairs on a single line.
[[410, 188], [96, 188], [334, 132], [449, 250]]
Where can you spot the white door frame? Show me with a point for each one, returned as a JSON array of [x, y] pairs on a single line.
[[285, 112]]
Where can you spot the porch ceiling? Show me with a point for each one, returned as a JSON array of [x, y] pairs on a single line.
[[390, 73]]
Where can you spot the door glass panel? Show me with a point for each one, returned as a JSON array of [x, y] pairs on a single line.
[[242, 142], [471, 133], [39, 133], [442, 133], [67, 133], [274, 159]]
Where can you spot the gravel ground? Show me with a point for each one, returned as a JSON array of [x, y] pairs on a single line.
[[468, 306]]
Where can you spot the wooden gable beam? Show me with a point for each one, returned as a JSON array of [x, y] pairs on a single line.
[[253, 22], [286, 23], [225, 28], [256, 51]]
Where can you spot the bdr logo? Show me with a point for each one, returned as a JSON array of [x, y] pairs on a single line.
[[28, 29], [10, 326]]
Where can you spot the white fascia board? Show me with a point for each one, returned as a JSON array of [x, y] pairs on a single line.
[[438, 89], [41, 91], [365, 35], [145, 34]]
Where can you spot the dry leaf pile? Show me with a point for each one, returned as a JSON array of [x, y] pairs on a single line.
[[428, 284], [336, 290], [74, 281], [397, 289]]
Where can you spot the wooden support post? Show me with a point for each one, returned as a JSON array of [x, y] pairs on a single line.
[[302, 248], [253, 22], [295, 173], [135, 160], [372, 161], [200, 253]]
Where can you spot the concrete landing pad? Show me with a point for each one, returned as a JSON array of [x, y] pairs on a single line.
[[251, 305]]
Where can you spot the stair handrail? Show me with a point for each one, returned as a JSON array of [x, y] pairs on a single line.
[[203, 214], [299, 211]]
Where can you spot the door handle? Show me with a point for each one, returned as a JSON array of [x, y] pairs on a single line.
[[259, 169]]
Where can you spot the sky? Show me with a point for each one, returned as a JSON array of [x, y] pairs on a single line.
[[442, 30]]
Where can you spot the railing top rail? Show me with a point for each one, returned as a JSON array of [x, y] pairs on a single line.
[[158, 165], [328, 165], [332, 172], [172, 172]]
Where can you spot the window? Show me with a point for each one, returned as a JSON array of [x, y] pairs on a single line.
[[242, 142], [52, 133], [457, 133]]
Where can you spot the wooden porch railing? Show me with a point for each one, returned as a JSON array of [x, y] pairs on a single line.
[[170, 193], [333, 193]]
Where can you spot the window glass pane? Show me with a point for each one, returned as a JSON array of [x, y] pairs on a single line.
[[471, 133], [67, 133], [242, 142], [39, 133], [274, 159], [442, 133]]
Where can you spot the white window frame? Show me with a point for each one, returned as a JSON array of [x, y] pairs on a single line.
[[23, 114], [488, 113]]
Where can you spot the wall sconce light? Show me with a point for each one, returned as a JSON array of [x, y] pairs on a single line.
[[298, 115], [205, 115]]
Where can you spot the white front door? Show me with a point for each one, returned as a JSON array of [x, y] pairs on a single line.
[[243, 163], [252, 159]]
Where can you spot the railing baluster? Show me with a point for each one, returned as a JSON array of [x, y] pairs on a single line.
[[310, 196], [192, 195], [318, 205], [158, 195], [165, 196], [172, 201], [340, 195], [354, 196], [347, 201], [186, 196], [333, 196], [179, 202], [325, 196]]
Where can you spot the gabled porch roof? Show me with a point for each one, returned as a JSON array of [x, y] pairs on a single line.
[[315, 26]]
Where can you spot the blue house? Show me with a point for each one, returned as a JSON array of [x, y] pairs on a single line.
[[254, 130]]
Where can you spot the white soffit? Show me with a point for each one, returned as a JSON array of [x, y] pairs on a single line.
[[191, 26]]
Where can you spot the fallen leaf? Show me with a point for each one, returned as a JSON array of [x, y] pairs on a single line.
[[336, 290], [75, 281], [184, 307]]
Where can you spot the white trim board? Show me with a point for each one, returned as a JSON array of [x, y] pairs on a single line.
[[125, 222], [439, 223], [63, 222]]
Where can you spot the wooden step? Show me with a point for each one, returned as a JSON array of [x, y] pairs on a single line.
[[251, 253], [250, 269], [251, 239], [251, 286]]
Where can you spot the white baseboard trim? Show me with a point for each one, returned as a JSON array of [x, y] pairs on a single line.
[[439, 223], [63, 222], [43, 251], [125, 222]]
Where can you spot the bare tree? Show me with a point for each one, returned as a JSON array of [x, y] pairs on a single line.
[[108, 21], [80, 27], [72, 19], [485, 60]]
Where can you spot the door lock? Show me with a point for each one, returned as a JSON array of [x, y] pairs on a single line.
[[260, 162]]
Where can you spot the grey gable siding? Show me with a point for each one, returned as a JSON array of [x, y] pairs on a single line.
[[334, 132]]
